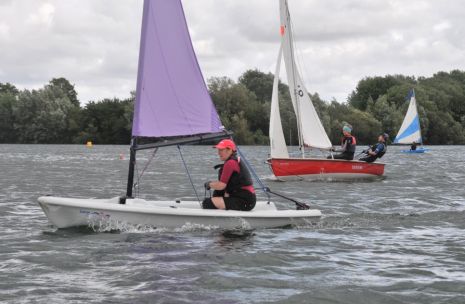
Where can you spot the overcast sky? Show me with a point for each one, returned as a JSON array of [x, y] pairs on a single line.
[[95, 43]]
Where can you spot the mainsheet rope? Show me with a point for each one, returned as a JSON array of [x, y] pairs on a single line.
[[251, 169], [266, 189]]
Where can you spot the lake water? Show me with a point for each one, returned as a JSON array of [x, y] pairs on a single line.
[[396, 240]]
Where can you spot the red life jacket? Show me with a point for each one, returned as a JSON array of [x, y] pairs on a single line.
[[239, 179], [350, 147]]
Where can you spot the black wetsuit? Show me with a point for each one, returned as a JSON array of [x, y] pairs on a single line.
[[239, 197], [380, 149], [349, 144]]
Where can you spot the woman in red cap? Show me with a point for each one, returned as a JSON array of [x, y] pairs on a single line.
[[234, 190]]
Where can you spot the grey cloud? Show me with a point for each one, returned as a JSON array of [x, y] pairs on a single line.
[[95, 43]]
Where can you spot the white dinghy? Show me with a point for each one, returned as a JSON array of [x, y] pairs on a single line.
[[172, 107], [70, 212]]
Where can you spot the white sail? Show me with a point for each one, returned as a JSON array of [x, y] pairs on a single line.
[[410, 130], [311, 131], [277, 141]]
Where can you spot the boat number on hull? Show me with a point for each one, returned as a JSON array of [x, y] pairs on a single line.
[[94, 213], [357, 167]]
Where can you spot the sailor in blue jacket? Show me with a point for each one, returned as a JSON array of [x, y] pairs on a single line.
[[376, 151]]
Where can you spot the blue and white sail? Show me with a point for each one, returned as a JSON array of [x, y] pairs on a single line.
[[410, 130]]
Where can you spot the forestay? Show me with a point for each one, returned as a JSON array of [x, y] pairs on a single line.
[[312, 131], [172, 98], [410, 130]]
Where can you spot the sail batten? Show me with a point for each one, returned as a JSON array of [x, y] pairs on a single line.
[[410, 130], [171, 96]]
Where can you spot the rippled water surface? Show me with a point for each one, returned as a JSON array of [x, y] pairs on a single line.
[[396, 240]]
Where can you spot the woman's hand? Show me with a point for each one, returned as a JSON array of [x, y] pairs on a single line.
[[217, 185]]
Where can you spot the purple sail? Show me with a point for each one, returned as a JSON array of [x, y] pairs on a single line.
[[172, 98]]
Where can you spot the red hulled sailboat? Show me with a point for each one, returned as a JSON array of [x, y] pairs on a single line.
[[310, 129]]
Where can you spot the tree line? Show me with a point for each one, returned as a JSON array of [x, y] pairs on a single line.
[[54, 115]]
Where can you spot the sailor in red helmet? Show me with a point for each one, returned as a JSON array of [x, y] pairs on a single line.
[[234, 188]]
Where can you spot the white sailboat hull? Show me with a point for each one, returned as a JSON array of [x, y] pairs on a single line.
[[73, 212]]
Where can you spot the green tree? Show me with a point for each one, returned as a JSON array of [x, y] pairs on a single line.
[[374, 87], [40, 116], [378, 104], [235, 104], [259, 83], [8, 88], [387, 114], [7, 102], [105, 122], [444, 130], [67, 88]]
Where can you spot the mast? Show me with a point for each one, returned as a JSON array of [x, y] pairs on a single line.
[[172, 104], [132, 164], [295, 92], [419, 126]]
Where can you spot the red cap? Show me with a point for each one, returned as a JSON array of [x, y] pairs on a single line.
[[226, 143]]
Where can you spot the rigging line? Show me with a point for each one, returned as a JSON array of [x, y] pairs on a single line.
[[300, 205], [300, 62], [189, 175], [139, 176], [266, 189], [293, 63], [262, 186], [300, 65], [135, 185], [298, 56], [418, 116], [358, 155]]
